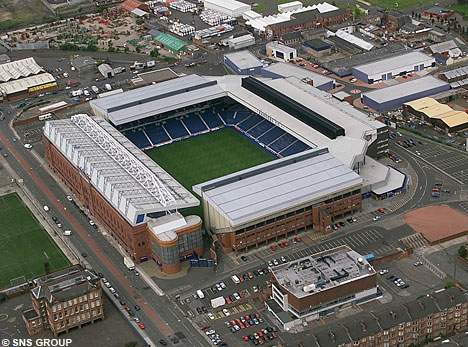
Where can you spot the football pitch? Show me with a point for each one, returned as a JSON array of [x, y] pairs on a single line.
[[24, 244], [203, 158]]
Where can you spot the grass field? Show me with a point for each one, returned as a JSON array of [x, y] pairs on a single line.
[[206, 157], [14, 13], [462, 8], [24, 243], [400, 5]]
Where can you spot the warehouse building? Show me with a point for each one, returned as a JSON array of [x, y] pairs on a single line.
[[275, 200], [153, 77], [282, 70], [396, 95], [106, 71], [279, 51], [395, 66], [317, 48], [456, 78], [4, 58], [171, 43], [241, 41], [289, 6], [83, 64], [22, 78], [243, 63], [231, 8], [320, 284], [438, 115], [128, 193]]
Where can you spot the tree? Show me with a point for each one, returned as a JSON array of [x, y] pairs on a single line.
[[432, 20], [91, 47], [449, 284], [412, 14], [111, 49], [137, 49], [126, 49], [462, 252], [154, 53]]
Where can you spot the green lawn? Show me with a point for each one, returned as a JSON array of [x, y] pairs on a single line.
[[24, 244], [206, 157], [400, 5], [462, 8]]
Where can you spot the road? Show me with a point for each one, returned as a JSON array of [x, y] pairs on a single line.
[[159, 315]]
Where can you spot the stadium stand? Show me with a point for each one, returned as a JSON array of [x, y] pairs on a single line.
[[245, 121], [194, 123], [175, 128]]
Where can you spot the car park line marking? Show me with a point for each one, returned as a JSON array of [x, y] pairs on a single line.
[[356, 240], [359, 236]]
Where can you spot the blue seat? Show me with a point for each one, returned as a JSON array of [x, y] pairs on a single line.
[[282, 142], [270, 136], [211, 119], [156, 133], [250, 122], [138, 138], [175, 128], [194, 124], [297, 147], [260, 128], [239, 116]]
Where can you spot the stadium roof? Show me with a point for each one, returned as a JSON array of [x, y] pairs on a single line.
[[18, 69], [126, 177], [393, 63], [157, 98], [244, 59], [23, 84], [277, 185], [288, 70], [400, 90]]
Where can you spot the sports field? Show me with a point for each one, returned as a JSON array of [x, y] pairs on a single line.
[[206, 157], [24, 244]]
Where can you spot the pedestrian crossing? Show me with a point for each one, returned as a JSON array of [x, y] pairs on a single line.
[[399, 204]]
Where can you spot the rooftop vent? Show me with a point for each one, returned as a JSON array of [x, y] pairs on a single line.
[[363, 326], [421, 305], [393, 314], [332, 336]]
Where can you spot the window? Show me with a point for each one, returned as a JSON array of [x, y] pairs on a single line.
[[54, 308], [279, 218], [259, 225], [308, 208], [91, 295], [290, 214], [85, 297]]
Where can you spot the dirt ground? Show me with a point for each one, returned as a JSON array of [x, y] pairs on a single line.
[[22, 10]]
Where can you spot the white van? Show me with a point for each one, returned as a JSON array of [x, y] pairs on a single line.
[[200, 294], [67, 233], [235, 279], [45, 116]]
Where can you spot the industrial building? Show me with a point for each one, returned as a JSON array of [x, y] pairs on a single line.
[[289, 6], [127, 192], [275, 200], [4, 58], [395, 66], [317, 48], [171, 43], [231, 8], [456, 78], [135, 7], [106, 71], [277, 50], [412, 323], [438, 115], [282, 70], [243, 63], [152, 77], [241, 41], [63, 300], [22, 78], [308, 288], [439, 12], [396, 95], [83, 64]]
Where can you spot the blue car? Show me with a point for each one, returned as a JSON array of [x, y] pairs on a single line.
[[391, 277]]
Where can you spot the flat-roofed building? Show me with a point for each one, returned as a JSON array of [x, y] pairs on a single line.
[[243, 63], [395, 66], [256, 206], [63, 300], [279, 51], [83, 64], [320, 284]]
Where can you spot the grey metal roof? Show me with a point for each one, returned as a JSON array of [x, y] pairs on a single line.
[[263, 190], [128, 193], [158, 98], [452, 74], [288, 70], [81, 62], [244, 59], [394, 63], [443, 46], [450, 298], [404, 89]]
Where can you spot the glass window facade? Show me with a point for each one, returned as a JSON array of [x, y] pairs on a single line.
[[186, 242], [190, 241], [167, 255]]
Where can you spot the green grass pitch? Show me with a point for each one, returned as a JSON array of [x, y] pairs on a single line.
[[24, 243], [203, 158]]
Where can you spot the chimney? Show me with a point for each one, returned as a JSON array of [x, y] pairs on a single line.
[[451, 297], [393, 314], [421, 305], [332, 336], [363, 325]]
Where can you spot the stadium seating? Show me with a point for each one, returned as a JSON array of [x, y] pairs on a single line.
[[156, 133], [282, 142], [271, 136], [211, 119], [260, 128], [175, 128], [138, 138], [296, 147], [250, 122], [194, 124]]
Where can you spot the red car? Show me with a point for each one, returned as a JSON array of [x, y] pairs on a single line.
[[228, 301], [261, 342], [141, 326], [245, 338], [274, 335], [241, 326], [281, 245], [256, 315], [238, 321], [259, 332], [241, 279], [273, 248], [436, 190], [286, 244], [233, 322], [381, 210], [240, 294], [298, 239], [206, 326]]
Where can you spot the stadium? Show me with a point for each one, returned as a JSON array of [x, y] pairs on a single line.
[[268, 158]]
